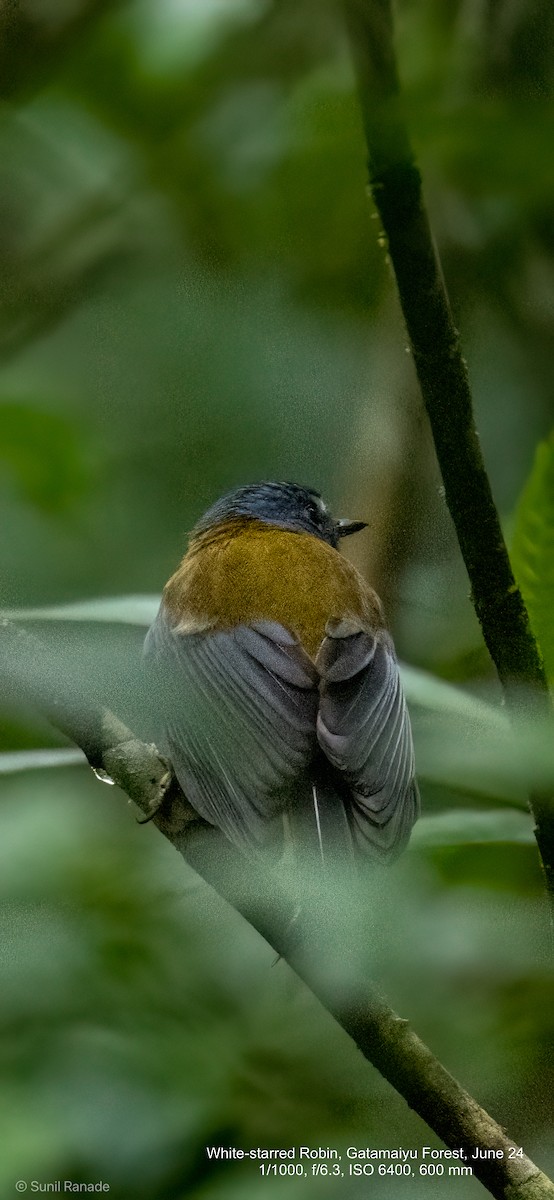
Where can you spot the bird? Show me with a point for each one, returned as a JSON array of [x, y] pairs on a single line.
[[277, 686]]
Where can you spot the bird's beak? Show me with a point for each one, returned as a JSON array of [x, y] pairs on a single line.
[[345, 527]]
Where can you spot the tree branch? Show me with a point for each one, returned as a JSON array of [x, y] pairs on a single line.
[[396, 189], [384, 1038]]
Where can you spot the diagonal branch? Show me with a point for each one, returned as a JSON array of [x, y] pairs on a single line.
[[384, 1038], [396, 189]]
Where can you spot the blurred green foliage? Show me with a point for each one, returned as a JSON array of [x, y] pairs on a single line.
[[533, 549], [193, 295]]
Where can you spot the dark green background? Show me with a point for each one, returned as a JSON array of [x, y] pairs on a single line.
[[193, 296]]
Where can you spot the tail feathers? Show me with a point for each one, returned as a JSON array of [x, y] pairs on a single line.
[[324, 867], [319, 827]]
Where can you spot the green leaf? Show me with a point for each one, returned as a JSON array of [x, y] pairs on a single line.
[[533, 549], [117, 610], [464, 826], [13, 761]]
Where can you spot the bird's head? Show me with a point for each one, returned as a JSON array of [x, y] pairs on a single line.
[[285, 505]]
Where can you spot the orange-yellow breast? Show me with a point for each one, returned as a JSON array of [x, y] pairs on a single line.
[[245, 570]]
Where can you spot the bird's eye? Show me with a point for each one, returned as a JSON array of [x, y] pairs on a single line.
[[313, 512]]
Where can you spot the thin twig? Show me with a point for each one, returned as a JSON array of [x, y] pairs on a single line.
[[384, 1038], [396, 189]]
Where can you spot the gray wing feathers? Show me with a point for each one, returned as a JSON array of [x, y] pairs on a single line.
[[244, 710], [239, 709], [364, 730]]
